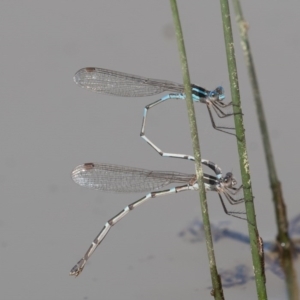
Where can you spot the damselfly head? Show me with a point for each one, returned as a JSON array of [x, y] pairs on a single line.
[[217, 94], [228, 180]]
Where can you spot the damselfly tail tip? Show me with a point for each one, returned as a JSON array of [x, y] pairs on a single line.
[[77, 269], [74, 271]]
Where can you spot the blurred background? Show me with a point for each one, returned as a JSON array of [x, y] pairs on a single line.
[[49, 126]]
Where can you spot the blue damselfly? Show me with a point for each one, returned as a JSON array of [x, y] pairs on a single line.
[[126, 85]]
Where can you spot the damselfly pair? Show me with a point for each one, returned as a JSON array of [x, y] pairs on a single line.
[[113, 178]]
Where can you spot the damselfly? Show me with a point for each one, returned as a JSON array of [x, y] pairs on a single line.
[[114, 178], [126, 85]]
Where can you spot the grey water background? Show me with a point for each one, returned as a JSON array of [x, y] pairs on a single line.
[[49, 126]]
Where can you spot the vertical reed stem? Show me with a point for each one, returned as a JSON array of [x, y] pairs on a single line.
[[216, 282], [255, 240], [284, 242]]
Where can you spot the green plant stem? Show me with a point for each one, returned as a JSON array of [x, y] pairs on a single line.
[[216, 282], [284, 242], [255, 241]]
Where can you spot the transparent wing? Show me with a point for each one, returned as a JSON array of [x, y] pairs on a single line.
[[122, 84], [114, 178]]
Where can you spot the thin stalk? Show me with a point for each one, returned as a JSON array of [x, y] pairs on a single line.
[[255, 240], [216, 282], [284, 242]]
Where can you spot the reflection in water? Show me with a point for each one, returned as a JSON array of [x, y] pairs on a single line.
[[241, 274], [238, 276]]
